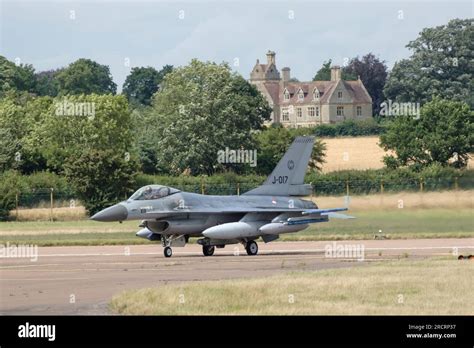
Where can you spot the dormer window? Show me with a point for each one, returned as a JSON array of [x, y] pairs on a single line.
[[339, 95], [315, 94], [286, 95], [300, 95]]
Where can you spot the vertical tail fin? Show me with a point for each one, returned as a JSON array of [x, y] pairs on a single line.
[[287, 179]]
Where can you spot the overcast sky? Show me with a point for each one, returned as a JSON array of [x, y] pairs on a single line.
[[52, 34]]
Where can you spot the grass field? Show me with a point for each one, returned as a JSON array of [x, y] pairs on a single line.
[[453, 199], [44, 214], [432, 287], [395, 224], [353, 153], [421, 215], [356, 153], [461, 199]]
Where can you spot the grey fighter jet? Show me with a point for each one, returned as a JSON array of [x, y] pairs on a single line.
[[172, 216]]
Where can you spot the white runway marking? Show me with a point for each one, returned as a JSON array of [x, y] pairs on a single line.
[[43, 279]]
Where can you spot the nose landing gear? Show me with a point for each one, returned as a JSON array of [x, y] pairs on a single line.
[[167, 251]]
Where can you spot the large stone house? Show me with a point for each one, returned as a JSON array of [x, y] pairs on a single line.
[[306, 104]]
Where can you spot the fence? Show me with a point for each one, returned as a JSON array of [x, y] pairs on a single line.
[[48, 198]]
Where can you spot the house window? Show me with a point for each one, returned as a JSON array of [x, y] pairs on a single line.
[[300, 96], [299, 112], [317, 111], [315, 94], [285, 115], [340, 111], [359, 111], [311, 111], [286, 95], [339, 94]]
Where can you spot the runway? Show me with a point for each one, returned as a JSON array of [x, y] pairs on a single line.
[[82, 280]]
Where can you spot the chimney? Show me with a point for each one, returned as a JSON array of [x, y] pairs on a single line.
[[335, 73], [286, 74], [270, 57]]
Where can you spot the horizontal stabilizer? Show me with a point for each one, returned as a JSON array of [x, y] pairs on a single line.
[[338, 216]]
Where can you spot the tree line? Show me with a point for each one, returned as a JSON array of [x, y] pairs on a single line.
[[173, 121]]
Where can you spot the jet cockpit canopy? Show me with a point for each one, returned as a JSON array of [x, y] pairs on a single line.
[[153, 192]]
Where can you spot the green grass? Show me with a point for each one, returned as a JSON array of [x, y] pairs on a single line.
[[431, 287], [395, 224]]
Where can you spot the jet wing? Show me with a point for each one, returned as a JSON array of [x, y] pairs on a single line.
[[224, 210], [318, 215], [229, 210]]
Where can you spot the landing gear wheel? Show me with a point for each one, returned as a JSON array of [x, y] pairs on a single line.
[[208, 250], [252, 248], [167, 251]]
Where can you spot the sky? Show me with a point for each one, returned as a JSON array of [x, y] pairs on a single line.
[[125, 34]]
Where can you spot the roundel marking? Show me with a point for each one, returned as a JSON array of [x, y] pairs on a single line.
[[291, 164]]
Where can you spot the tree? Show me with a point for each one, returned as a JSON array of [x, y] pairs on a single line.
[[373, 74], [440, 65], [88, 138], [10, 185], [203, 108], [85, 76], [8, 148], [324, 74], [273, 143], [16, 77], [69, 125], [443, 134], [101, 177], [19, 116], [142, 83], [47, 83]]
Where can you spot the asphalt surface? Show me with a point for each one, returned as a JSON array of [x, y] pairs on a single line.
[[82, 280]]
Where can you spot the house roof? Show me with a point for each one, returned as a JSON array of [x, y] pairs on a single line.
[[355, 89], [273, 90]]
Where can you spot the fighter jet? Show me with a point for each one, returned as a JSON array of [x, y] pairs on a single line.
[[172, 216]]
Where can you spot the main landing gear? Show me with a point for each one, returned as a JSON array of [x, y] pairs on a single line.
[[251, 248], [208, 250]]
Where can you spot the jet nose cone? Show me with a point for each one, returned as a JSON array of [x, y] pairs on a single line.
[[114, 213]]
